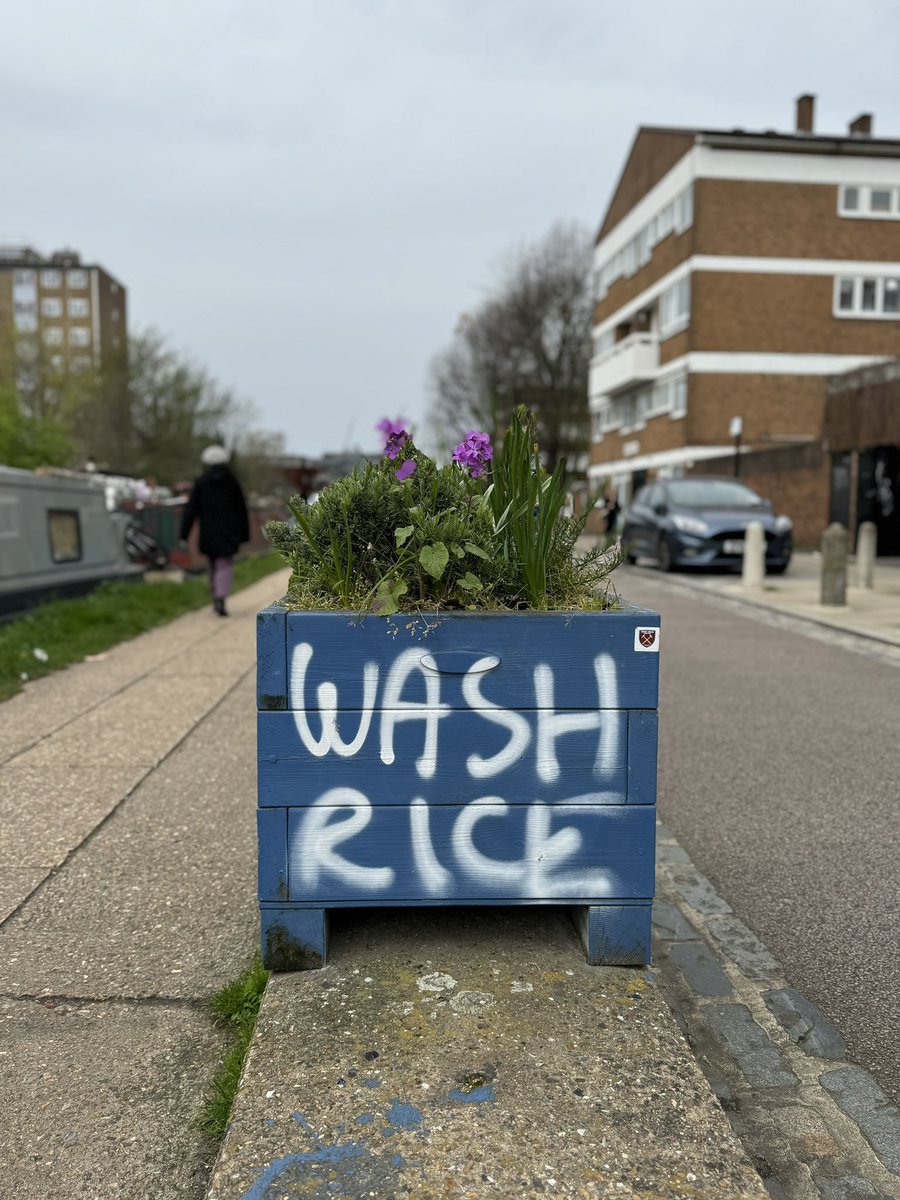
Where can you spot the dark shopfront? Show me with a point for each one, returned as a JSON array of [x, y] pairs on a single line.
[[862, 432]]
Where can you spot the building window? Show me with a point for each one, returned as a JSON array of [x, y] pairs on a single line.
[[53, 335], [76, 279], [115, 314], [81, 362], [676, 216], [51, 306], [79, 336], [57, 362], [867, 296], [679, 397], [24, 278], [675, 308], [873, 201], [51, 279], [65, 535], [78, 307]]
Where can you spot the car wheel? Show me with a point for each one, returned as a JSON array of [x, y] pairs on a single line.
[[630, 556], [664, 554], [777, 570]]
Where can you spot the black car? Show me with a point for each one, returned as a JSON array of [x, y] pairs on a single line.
[[701, 521]]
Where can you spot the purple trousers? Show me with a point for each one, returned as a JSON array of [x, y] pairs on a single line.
[[221, 574]]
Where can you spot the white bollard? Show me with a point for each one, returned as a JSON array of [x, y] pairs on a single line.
[[753, 573], [866, 542]]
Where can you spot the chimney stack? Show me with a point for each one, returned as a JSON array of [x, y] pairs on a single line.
[[862, 126], [806, 107]]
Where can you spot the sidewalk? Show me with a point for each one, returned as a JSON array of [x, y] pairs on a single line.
[[127, 793]]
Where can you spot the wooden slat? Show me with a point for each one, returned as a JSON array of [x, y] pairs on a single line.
[[349, 851], [531, 756], [271, 658], [587, 660], [642, 751], [271, 826]]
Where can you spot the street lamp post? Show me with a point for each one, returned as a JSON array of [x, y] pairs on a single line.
[[735, 429]]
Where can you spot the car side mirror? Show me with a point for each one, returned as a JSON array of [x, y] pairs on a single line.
[[661, 509]]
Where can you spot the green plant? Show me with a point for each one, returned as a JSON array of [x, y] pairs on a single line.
[[407, 534], [237, 1007]]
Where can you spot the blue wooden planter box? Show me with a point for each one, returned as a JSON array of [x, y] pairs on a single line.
[[457, 758]]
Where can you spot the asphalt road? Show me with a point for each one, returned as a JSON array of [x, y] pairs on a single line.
[[780, 775]]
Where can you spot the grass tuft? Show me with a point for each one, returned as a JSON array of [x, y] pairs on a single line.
[[66, 631], [236, 1006]]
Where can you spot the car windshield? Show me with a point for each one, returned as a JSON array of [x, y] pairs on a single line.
[[712, 493]]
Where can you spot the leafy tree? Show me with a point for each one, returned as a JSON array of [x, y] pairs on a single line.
[[529, 343]]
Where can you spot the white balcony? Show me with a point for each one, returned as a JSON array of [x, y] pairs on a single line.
[[632, 361]]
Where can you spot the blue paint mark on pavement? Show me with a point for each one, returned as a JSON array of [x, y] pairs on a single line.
[[371, 1083], [330, 1154], [365, 1119], [477, 1095], [404, 1116], [301, 1120]]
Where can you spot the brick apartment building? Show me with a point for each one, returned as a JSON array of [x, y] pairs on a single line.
[[59, 312], [734, 272]]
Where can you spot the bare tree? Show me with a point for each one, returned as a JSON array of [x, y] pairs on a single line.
[[529, 343]]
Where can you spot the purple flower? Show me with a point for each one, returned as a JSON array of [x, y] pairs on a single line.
[[395, 435], [405, 469], [474, 453]]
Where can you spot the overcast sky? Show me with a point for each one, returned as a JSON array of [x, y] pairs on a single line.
[[306, 196]]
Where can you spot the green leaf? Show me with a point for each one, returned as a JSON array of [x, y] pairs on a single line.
[[476, 550], [457, 550], [401, 534], [434, 559], [471, 582], [387, 597]]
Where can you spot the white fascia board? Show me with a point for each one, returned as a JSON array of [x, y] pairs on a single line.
[[660, 458], [675, 366], [671, 185], [793, 167], [792, 266], [721, 362]]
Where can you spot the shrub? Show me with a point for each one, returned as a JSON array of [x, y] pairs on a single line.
[[407, 534]]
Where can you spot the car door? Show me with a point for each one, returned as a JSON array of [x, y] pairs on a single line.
[[639, 528]]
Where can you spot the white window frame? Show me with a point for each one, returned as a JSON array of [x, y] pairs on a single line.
[[79, 335], [76, 278], [51, 279], [51, 306], [79, 306], [857, 313], [673, 318], [864, 210], [53, 335], [23, 279]]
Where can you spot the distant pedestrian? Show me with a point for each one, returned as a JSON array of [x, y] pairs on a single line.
[[613, 508], [217, 503]]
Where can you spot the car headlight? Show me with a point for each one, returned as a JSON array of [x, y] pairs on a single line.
[[783, 524], [689, 524]]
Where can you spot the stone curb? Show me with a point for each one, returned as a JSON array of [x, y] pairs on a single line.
[[815, 1126]]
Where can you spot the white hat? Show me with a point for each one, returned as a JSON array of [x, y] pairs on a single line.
[[213, 456]]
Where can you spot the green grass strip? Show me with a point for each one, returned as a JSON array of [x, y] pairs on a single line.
[[68, 630], [236, 1006]]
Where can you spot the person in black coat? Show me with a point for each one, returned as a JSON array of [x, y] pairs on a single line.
[[218, 503]]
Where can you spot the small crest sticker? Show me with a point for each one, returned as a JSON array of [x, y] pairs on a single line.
[[646, 639]]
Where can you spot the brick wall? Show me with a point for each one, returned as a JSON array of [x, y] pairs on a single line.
[[780, 314], [785, 220], [786, 405], [653, 154]]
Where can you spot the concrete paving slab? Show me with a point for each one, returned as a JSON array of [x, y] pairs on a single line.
[[137, 727], [162, 901], [16, 883], [209, 658], [99, 1100], [472, 1053], [46, 812]]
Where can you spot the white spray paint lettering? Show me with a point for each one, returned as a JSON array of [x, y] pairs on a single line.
[[342, 813]]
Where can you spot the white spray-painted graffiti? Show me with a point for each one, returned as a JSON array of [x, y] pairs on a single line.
[[320, 854]]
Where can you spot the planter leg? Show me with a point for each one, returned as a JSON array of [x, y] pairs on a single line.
[[294, 939], [614, 935]]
